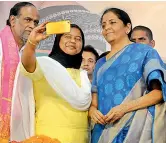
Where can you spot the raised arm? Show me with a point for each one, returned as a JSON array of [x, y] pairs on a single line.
[[28, 57]]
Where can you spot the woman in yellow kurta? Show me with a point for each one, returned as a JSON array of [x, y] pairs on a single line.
[[56, 114]]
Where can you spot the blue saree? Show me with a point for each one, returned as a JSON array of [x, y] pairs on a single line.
[[125, 77]]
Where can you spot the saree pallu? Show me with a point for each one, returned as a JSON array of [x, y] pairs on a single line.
[[10, 60], [125, 77]]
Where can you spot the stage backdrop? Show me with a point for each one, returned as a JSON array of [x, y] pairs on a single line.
[[87, 15]]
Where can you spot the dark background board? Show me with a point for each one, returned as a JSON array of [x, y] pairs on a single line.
[[77, 14]]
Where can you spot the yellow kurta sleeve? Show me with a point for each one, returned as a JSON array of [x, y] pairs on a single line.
[[36, 75]]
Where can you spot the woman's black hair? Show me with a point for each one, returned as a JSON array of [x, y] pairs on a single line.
[[122, 15]]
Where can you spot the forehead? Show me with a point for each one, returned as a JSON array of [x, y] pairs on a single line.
[[138, 34], [74, 31], [108, 16], [88, 55], [29, 11]]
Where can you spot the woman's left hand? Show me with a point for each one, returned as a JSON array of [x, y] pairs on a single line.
[[115, 114]]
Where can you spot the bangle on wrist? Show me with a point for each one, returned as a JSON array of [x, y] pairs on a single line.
[[32, 42]]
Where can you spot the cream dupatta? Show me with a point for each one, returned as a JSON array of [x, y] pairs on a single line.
[[23, 105]]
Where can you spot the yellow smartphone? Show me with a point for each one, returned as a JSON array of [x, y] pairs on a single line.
[[59, 27]]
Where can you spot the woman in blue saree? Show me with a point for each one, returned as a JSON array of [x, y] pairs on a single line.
[[128, 88]]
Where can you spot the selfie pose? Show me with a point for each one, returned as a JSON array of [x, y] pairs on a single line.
[[56, 94]]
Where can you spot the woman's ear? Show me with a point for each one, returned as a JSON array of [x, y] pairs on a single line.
[[128, 28]]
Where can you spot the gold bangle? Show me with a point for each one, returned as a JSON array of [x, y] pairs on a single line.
[[32, 42]]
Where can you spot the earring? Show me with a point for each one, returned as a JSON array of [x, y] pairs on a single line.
[[127, 32]]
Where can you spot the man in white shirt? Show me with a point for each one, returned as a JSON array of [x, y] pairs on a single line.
[[23, 18]]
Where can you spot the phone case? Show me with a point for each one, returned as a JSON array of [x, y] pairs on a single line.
[[59, 27]]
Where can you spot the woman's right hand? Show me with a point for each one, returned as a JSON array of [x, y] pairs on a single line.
[[96, 116], [38, 34]]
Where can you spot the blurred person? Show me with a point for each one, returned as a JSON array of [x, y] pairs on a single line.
[[89, 59], [142, 34]]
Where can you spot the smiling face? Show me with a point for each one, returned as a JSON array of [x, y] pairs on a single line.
[[113, 28], [71, 43]]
